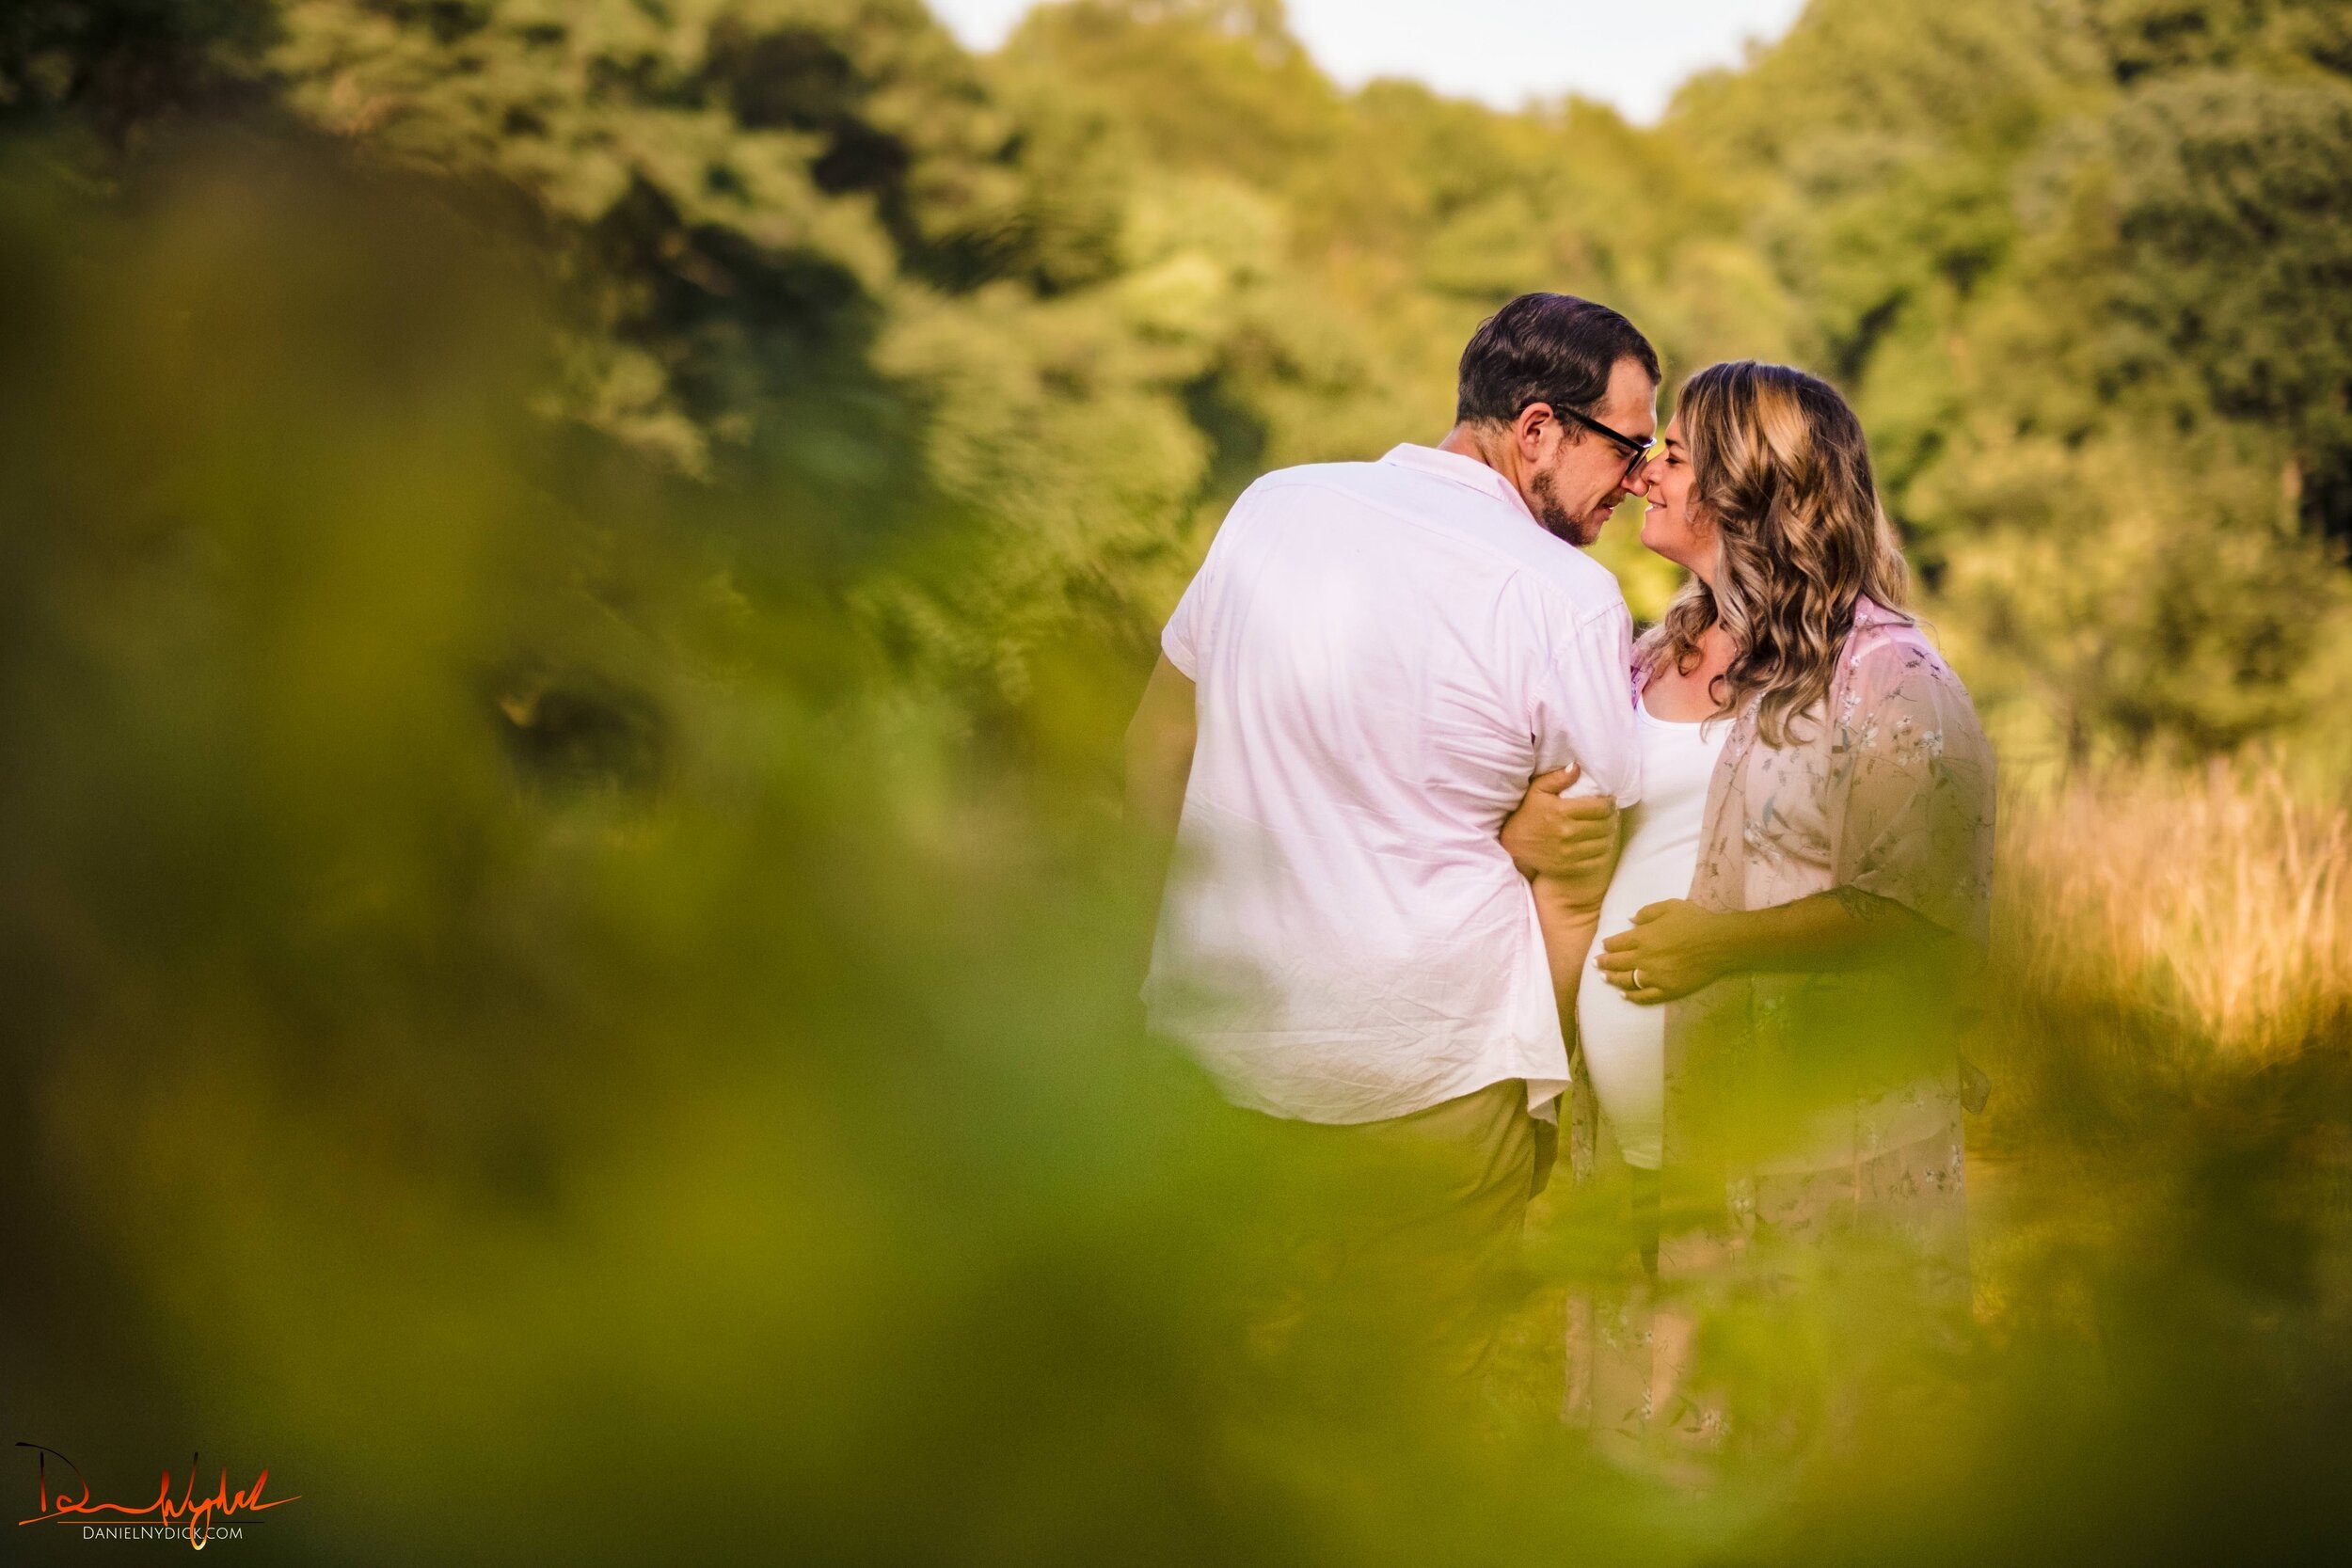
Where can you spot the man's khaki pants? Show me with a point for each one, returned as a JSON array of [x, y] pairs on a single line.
[[1407, 1232]]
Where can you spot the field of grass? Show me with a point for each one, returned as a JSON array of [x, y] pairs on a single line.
[[2216, 906]]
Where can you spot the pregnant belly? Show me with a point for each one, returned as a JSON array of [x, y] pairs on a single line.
[[1625, 1043], [1625, 1056]]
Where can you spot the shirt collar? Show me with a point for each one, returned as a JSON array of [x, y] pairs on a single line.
[[1462, 470]]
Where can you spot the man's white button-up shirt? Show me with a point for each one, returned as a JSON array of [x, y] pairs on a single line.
[[1384, 654]]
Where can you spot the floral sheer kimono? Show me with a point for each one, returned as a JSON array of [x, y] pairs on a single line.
[[1802, 1107]]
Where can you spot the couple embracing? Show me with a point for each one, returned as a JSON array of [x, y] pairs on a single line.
[[1464, 870]]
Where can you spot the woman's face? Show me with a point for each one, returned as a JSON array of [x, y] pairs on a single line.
[[1670, 523]]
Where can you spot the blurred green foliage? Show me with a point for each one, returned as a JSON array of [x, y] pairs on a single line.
[[2081, 263], [568, 581]]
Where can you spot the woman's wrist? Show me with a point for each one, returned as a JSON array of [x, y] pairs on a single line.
[[1723, 945], [1821, 931]]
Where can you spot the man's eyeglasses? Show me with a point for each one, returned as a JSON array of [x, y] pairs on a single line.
[[1637, 451]]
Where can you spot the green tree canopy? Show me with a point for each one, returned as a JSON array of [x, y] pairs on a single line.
[[2081, 263]]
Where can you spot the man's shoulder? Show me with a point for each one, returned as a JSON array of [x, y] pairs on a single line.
[[1549, 566], [1283, 494], [1361, 479], [1565, 572]]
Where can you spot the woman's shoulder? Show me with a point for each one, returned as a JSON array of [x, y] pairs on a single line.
[[1901, 693], [1887, 647]]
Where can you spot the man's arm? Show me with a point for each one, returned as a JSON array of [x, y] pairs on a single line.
[[1567, 845], [1159, 752], [1568, 908]]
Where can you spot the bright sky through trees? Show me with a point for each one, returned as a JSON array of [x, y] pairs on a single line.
[[1500, 51]]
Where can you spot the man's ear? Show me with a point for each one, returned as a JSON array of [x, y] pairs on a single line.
[[1530, 427]]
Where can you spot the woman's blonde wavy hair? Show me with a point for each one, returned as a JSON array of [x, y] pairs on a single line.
[[1782, 471]]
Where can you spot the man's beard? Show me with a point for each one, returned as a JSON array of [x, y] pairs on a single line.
[[1556, 518]]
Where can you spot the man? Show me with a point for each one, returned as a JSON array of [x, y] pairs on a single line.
[[1354, 692]]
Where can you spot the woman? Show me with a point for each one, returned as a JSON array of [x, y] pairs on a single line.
[[1802, 887]]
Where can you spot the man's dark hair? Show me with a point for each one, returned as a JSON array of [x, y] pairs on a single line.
[[1547, 348]]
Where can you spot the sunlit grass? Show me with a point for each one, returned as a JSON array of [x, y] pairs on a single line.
[[2165, 1020], [2218, 901]]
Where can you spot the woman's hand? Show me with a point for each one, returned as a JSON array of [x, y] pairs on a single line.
[[1553, 834], [1672, 950]]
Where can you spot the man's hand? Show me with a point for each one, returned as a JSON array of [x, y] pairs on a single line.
[[1671, 950], [1553, 834]]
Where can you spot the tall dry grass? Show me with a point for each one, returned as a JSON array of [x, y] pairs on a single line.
[[2216, 905], [2168, 1024]]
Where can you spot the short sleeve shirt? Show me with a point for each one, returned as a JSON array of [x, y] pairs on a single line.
[[1384, 654]]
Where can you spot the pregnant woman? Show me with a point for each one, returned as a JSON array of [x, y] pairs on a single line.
[[1682, 733], [1770, 1023]]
